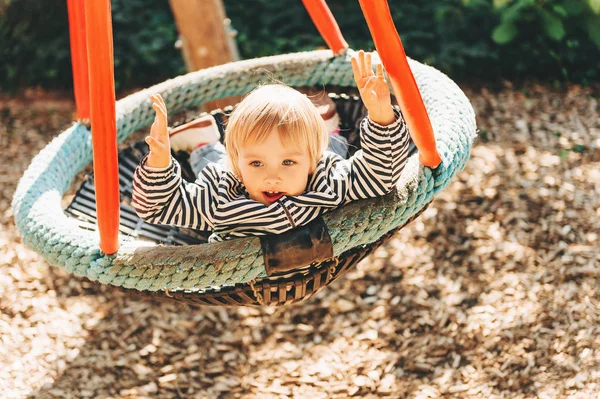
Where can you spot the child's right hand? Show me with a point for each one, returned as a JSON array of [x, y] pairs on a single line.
[[160, 146]]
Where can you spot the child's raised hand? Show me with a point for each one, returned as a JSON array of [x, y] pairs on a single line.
[[373, 89], [160, 147]]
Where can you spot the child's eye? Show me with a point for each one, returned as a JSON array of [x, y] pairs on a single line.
[[255, 163], [288, 162]]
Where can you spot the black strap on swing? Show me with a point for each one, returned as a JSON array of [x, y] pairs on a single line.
[[298, 247]]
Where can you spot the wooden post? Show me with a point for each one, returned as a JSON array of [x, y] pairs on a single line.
[[204, 36]]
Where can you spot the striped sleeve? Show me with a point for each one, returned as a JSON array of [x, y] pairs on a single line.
[[375, 169], [162, 196]]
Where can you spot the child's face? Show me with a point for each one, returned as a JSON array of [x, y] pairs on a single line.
[[272, 166]]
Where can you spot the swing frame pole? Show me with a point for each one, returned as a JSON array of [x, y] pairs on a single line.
[[77, 36], [100, 60], [390, 49], [326, 25]]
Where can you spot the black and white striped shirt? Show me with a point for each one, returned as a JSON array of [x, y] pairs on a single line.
[[218, 201]]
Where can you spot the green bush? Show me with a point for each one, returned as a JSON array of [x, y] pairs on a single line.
[[550, 39], [467, 39], [34, 43], [560, 38]]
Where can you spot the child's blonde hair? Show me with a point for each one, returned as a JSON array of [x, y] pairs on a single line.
[[278, 107]]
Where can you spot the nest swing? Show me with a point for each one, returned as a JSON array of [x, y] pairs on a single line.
[[179, 264]]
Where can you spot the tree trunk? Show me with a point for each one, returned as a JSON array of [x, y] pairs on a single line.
[[206, 41]]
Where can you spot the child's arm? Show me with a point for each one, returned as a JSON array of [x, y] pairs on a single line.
[[375, 169], [160, 195]]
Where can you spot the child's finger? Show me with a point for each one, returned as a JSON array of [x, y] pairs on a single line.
[[164, 107], [361, 62], [380, 71], [152, 142], [369, 65], [158, 130], [158, 117], [154, 99], [153, 127], [162, 102], [155, 145], [160, 112], [355, 69], [154, 131], [157, 99], [160, 108]]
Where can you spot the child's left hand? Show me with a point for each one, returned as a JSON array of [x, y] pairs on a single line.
[[373, 89]]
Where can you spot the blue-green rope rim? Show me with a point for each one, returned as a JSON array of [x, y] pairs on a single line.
[[45, 228]]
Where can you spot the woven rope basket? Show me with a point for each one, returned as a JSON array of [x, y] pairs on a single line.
[[233, 272]]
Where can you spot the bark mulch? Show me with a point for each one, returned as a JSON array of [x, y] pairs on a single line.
[[491, 293]]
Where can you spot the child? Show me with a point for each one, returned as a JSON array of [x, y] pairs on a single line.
[[278, 173]]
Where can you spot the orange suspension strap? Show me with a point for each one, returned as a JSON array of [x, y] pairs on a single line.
[[326, 25], [104, 125], [81, 83], [390, 49]]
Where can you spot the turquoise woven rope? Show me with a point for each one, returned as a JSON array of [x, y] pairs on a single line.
[[45, 228]]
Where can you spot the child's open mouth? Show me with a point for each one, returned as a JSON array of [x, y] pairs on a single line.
[[272, 195]]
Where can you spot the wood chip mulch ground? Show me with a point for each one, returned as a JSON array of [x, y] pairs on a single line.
[[492, 293]]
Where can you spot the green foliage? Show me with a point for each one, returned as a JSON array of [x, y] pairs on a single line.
[[35, 48], [144, 37], [437, 33], [563, 35], [554, 18], [467, 39], [30, 48], [483, 39]]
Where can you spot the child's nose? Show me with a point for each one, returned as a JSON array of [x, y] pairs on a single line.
[[272, 178]]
